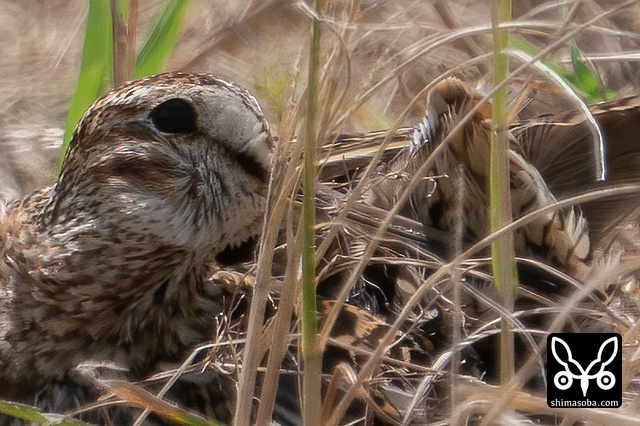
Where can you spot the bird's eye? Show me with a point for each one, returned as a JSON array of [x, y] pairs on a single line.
[[174, 116]]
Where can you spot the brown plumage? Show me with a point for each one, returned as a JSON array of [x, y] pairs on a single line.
[[111, 263], [115, 262], [559, 148], [455, 187]]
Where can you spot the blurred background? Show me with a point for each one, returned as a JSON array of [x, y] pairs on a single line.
[[377, 55]]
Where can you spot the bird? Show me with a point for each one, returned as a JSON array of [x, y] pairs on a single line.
[[112, 262], [456, 187], [555, 155], [558, 147], [120, 263], [130, 257]]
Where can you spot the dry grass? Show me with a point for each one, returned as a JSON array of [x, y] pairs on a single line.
[[379, 61]]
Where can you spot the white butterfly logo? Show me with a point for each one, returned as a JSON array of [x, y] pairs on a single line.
[[564, 379]]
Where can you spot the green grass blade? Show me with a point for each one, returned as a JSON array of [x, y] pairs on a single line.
[[533, 51], [122, 6], [22, 412], [95, 68], [312, 383], [33, 415], [586, 81], [163, 37], [580, 79], [502, 249]]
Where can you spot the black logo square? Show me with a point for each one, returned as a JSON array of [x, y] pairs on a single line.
[[584, 370]]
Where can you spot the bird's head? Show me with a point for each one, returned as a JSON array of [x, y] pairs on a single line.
[[182, 158]]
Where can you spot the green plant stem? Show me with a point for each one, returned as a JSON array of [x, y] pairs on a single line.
[[310, 352], [95, 68], [502, 249]]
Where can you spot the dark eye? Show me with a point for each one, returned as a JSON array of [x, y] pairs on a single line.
[[174, 116]]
